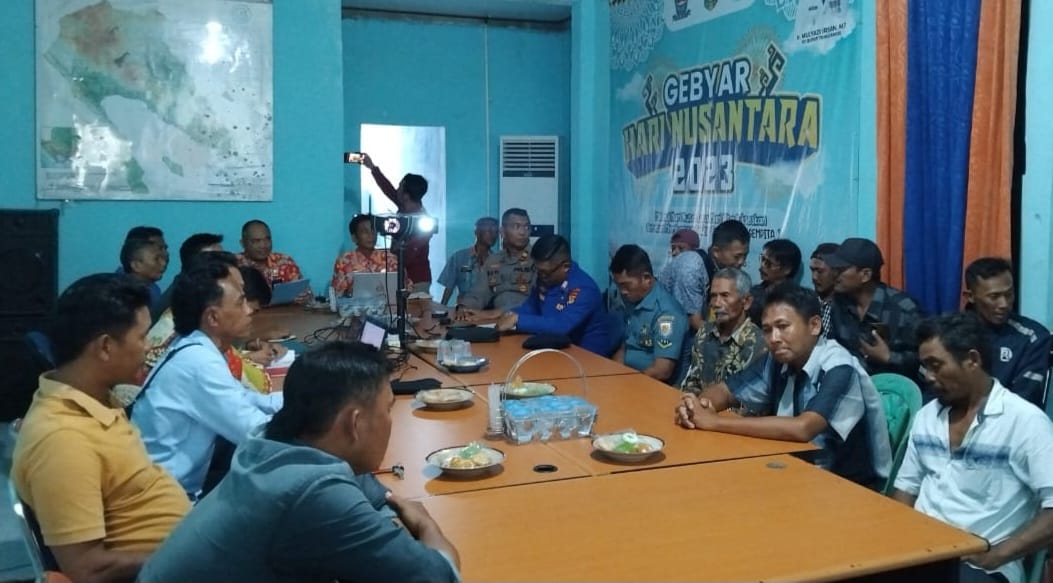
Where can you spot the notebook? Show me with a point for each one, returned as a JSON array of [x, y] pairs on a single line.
[[376, 285], [286, 293]]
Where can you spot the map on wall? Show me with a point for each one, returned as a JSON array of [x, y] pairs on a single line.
[[154, 99]]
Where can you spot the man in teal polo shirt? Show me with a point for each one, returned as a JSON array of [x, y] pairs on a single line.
[[655, 323]]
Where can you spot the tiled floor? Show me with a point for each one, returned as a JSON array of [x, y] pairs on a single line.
[[14, 562]]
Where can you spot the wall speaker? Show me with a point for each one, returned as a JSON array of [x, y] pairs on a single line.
[[29, 256]]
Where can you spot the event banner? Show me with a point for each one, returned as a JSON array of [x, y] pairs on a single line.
[[734, 109]]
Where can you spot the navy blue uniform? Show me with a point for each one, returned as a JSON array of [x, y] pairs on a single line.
[[574, 309], [1020, 357]]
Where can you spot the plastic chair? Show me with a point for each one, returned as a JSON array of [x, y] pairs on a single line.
[[36, 558], [1034, 566], [901, 399]]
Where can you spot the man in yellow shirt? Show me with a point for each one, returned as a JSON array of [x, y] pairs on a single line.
[[102, 505]]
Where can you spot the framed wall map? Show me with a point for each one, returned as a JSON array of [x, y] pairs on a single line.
[[154, 99]]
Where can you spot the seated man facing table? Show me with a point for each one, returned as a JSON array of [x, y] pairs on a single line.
[[466, 265], [1021, 357], [300, 502], [979, 456], [191, 397], [656, 325], [730, 342], [506, 277], [365, 258], [257, 252], [102, 505], [145, 261], [565, 301], [806, 389]]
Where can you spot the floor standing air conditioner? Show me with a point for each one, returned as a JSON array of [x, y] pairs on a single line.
[[530, 180]]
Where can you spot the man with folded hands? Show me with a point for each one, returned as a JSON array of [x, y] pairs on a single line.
[[806, 389]]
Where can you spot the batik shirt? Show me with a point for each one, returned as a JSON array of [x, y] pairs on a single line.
[[713, 359], [278, 267], [349, 263]]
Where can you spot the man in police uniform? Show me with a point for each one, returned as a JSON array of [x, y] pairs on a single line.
[[506, 276], [565, 301], [1021, 346], [655, 323]]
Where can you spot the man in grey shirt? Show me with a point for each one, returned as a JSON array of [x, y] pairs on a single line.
[[465, 265], [300, 502]]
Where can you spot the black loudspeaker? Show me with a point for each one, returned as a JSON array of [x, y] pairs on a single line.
[[29, 254], [20, 364], [28, 289]]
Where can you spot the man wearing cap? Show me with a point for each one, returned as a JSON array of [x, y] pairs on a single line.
[[685, 276], [871, 319]]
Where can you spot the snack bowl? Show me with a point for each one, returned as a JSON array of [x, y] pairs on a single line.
[[445, 399], [466, 364], [523, 390], [466, 461], [627, 446], [427, 345]]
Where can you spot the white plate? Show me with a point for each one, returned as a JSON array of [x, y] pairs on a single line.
[[605, 444], [465, 365], [442, 457], [529, 390], [444, 399], [427, 345]]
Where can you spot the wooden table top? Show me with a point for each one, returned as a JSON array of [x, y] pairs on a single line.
[[646, 405], [504, 353], [732, 521], [417, 431]]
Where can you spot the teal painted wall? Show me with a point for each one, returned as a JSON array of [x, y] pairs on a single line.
[[478, 81], [308, 136], [1036, 220]]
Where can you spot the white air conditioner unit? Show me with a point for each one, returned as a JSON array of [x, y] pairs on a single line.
[[530, 179]]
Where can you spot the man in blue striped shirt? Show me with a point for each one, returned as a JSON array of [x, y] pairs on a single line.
[[806, 389]]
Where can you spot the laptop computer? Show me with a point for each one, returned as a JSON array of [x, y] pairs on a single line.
[[286, 293], [376, 285], [364, 329]]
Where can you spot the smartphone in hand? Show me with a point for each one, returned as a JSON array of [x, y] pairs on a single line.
[[353, 157]]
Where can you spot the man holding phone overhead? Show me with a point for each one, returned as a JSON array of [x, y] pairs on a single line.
[[870, 318], [408, 199]]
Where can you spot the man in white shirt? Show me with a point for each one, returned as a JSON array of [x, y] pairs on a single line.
[[979, 457], [191, 397]]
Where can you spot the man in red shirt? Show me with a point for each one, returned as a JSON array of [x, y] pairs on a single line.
[[407, 198]]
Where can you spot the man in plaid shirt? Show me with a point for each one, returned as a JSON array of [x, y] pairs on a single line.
[[872, 320]]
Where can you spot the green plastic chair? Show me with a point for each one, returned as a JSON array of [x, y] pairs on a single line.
[[1034, 566], [901, 399]]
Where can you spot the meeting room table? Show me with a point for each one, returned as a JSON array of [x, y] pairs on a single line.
[[708, 506]]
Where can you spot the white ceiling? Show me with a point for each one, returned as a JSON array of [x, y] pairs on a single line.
[[537, 10]]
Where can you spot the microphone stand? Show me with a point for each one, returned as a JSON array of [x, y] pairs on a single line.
[[401, 293]]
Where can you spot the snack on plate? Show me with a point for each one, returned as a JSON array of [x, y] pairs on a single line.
[[471, 456], [630, 443]]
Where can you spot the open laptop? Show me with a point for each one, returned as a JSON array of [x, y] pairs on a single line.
[[286, 293], [376, 285], [367, 330]]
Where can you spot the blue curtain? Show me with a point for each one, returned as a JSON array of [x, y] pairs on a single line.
[[941, 70]]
